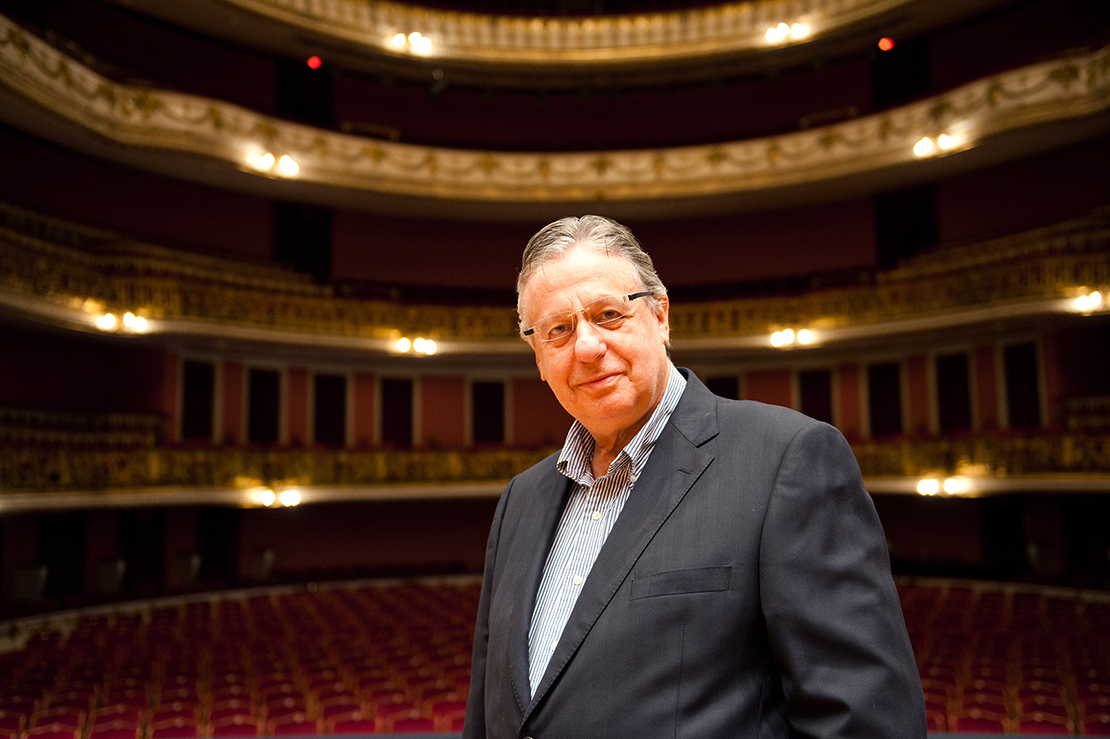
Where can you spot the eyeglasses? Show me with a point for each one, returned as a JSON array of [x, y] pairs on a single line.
[[609, 313]]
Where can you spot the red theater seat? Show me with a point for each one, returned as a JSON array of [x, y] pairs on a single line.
[[1096, 725], [979, 720], [115, 728], [412, 726], [179, 727]]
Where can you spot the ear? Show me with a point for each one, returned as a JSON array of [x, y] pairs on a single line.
[[662, 314], [539, 364]]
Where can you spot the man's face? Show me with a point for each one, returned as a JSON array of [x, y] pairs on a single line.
[[608, 379]]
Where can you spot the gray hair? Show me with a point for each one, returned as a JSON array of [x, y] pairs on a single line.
[[592, 232]]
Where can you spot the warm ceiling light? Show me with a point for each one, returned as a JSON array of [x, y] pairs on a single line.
[[944, 141], [399, 40], [133, 322], [805, 336], [288, 166], [403, 344], [799, 30], [1089, 302], [290, 498], [923, 147], [778, 33], [928, 486], [956, 485], [106, 322], [429, 347], [261, 496]]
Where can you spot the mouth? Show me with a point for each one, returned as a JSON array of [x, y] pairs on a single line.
[[599, 382]]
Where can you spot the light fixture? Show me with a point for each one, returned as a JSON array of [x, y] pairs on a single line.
[[1090, 302], [415, 42], [957, 485], [134, 323], [923, 147], [928, 486], [788, 336], [267, 162], [290, 498], [288, 166], [420, 345], [797, 31], [106, 321]]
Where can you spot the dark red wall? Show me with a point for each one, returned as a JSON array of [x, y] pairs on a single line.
[[1025, 194], [57, 182]]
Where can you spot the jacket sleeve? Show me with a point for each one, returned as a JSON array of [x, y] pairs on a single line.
[[832, 612], [474, 726]]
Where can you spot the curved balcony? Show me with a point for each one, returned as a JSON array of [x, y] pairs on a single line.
[[1028, 109], [534, 48], [40, 477], [59, 273]]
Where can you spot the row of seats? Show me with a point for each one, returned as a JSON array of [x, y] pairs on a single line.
[[395, 658], [999, 660], [345, 661]]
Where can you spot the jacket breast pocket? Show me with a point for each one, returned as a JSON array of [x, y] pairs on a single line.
[[678, 582]]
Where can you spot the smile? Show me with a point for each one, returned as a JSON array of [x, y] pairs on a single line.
[[600, 381]]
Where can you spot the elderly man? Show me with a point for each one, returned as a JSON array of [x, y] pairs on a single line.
[[686, 566]]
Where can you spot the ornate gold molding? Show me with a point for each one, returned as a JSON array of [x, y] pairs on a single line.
[[1054, 91], [35, 468]]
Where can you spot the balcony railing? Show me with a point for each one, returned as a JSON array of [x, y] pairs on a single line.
[[30, 468], [57, 271]]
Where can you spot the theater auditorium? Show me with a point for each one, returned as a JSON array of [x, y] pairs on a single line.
[[261, 381]]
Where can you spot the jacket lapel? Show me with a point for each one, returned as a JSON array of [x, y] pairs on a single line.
[[674, 466], [536, 533]]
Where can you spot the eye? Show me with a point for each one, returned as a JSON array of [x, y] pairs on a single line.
[[556, 330], [608, 316]]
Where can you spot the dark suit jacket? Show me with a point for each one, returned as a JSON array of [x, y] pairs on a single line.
[[745, 591]]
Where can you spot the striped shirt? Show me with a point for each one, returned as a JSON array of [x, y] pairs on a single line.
[[591, 511]]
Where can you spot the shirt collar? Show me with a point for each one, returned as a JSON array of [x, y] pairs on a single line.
[[574, 459]]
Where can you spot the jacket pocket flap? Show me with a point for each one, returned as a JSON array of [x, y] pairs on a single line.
[[676, 582]]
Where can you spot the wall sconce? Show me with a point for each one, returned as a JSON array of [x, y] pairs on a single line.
[[416, 42], [131, 323], [1090, 302], [789, 336], [419, 345], [283, 165]]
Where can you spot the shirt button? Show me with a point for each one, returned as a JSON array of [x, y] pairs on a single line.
[[577, 579], [597, 515]]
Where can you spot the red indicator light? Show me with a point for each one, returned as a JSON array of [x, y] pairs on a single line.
[[314, 62], [886, 43]]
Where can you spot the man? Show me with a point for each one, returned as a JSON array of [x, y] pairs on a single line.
[[687, 566]]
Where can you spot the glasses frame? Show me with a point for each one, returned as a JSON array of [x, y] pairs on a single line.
[[531, 331]]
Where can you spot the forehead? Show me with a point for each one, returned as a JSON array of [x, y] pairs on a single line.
[[575, 278]]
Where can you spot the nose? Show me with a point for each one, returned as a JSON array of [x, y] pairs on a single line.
[[589, 344]]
